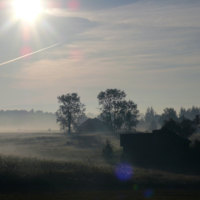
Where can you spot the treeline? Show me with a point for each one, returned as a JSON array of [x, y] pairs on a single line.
[[29, 120], [152, 120], [120, 114], [115, 110]]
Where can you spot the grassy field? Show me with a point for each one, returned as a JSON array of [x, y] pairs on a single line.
[[157, 194], [55, 145], [49, 165], [47, 179]]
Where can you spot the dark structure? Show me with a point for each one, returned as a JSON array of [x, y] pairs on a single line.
[[93, 126], [161, 149]]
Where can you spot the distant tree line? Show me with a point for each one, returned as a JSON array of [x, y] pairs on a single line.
[[22, 119], [122, 115], [152, 120]]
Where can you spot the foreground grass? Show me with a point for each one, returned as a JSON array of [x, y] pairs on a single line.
[[28, 178], [103, 195], [29, 172]]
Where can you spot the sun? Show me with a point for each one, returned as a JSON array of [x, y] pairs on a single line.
[[27, 10]]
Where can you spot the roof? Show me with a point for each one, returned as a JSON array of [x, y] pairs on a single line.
[[157, 136], [171, 134], [94, 125]]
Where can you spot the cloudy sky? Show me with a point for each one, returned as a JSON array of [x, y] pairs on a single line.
[[148, 48]]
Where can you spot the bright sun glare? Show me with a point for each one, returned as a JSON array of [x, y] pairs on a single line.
[[27, 9]]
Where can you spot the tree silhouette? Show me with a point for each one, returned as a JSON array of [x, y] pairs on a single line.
[[168, 113], [110, 106], [130, 115], [185, 128], [149, 115], [69, 111], [116, 111], [171, 125], [190, 113], [151, 119]]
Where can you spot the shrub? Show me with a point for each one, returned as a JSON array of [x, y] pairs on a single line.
[[107, 151]]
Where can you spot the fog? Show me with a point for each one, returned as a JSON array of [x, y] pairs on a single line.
[[22, 120], [56, 145]]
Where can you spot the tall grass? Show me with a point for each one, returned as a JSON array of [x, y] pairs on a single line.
[[29, 172]]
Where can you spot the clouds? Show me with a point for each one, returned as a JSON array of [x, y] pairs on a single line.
[[86, 5], [150, 49]]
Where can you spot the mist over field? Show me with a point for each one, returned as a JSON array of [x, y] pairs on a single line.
[[57, 146], [26, 121], [18, 120]]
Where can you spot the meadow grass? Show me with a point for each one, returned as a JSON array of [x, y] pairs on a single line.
[[32, 178], [59, 171], [157, 194], [15, 171]]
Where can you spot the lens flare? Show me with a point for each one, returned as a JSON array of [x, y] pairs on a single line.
[[2, 4], [26, 50], [135, 187], [73, 5], [148, 193], [124, 172], [76, 54]]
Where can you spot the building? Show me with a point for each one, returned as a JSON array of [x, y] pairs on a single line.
[[160, 149], [93, 126]]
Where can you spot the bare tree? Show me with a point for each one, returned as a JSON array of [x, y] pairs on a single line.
[[69, 111]]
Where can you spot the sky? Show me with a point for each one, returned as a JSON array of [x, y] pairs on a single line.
[[148, 48]]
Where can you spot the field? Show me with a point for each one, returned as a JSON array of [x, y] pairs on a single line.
[[101, 195], [55, 145], [51, 165]]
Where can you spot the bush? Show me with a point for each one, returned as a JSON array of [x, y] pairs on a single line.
[[107, 151]]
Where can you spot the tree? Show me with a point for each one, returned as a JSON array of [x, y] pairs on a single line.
[[182, 112], [196, 121], [171, 125], [185, 128], [69, 111], [110, 106], [149, 115], [168, 113], [130, 115], [151, 119], [116, 111]]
